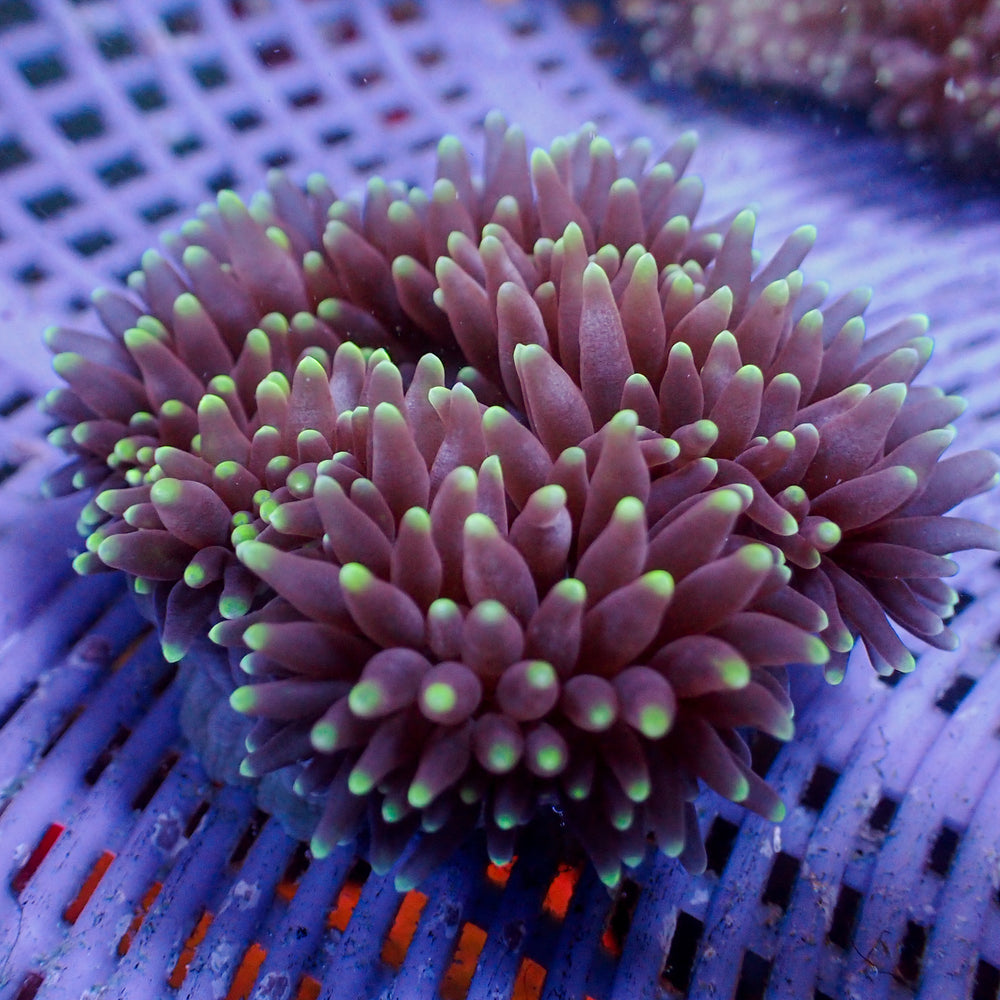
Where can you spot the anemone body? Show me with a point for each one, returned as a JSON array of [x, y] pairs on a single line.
[[524, 490]]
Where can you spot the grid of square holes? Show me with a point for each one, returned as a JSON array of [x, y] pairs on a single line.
[[142, 110]]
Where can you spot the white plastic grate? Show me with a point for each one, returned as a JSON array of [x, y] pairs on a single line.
[[116, 120]]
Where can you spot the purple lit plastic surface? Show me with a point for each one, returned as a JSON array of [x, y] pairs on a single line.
[[116, 120]]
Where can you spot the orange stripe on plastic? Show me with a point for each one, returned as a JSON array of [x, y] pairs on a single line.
[[246, 974], [309, 988], [140, 914], [397, 941], [458, 978], [530, 980], [340, 915], [72, 912], [499, 874], [560, 893], [25, 873], [189, 950]]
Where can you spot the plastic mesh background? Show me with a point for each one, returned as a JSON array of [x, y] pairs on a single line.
[[125, 869]]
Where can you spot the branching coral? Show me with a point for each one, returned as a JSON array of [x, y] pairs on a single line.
[[526, 490], [925, 70]]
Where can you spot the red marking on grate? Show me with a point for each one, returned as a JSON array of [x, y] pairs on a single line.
[[140, 914], [246, 974], [309, 988], [530, 980], [396, 115], [619, 921], [297, 866], [458, 978], [499, 874], [30, 986], [180, 969], [340, 915], [72, 912], [560, 893], [26, 872], [397, 941]]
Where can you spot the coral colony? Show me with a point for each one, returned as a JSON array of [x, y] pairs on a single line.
[[926, 69], [524, 491]]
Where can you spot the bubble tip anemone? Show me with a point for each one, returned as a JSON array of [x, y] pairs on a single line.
[[642, 504]]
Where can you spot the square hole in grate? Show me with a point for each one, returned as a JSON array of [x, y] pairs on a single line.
[[455, 93], [277, 52], [429, 56], [107, 754], [524, 27], [986, 985], [425, 144], [221, 180], [15, 12], [14, 401], [246, 119], [41, 70], [676, 972], [369, 164], [92, 242], [115, 45], [210, 74], [404, 11], [719, 843], [820, 788], [80, 125], [250, 835], [148, 96], [891, 680], [154, 781], [754, 975], [845, 917], [964, 600], [954, 694], [278, 158], [12, 154], [121, 170], [31, 274], [335, 136], [763, 750], [943, 851], [159, 210], [243, 9], [7, 469], [396, 115], [911, 953], [50, 203], [619, 921], [781, 881], [308, 98], [340, 31], [183, 20], [366, 77], [186, 145], [883, 814], [584, 13]]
